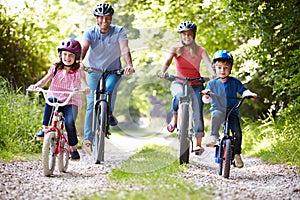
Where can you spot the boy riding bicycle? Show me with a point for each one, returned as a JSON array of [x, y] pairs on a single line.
[[225, 89]]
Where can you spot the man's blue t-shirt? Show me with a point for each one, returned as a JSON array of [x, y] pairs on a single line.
[[104, 52], [226, 93]]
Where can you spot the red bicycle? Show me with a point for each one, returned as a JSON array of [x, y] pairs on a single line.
[[56, 139]]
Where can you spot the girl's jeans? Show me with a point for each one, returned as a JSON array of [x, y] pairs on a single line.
[[197, 104], [70, 113], [218, 118], [93, 80]]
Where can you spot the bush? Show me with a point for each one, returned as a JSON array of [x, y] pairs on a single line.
[[275, 141], [20, 119]]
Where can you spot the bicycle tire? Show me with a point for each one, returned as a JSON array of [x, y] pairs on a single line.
[[184, 148], [227, 158], [100, 137], [48, 153], [63, 156]]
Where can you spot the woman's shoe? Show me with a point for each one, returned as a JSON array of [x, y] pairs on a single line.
[[171, 127], [199, 150]]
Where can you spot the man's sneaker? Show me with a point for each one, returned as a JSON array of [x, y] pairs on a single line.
[[238, 161], [213, 141], [40, 134], [112, 121], [75, 155], [87, 146]]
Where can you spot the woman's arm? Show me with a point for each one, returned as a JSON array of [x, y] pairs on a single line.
[[207, 62], [168, 62]]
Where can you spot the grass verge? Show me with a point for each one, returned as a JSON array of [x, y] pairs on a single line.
[[152, 173]]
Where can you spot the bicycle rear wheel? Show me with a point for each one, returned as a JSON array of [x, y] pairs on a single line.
[[184, 148], [225, 158], [48, 153], [101, 132], [63, 156]]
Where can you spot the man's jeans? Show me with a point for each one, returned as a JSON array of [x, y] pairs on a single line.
[[93, 80]]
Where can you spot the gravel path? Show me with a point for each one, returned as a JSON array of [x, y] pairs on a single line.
[[257, 180]]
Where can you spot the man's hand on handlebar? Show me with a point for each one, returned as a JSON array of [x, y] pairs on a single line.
[[129, 70]]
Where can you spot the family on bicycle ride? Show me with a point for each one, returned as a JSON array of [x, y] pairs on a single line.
[[102, 47]]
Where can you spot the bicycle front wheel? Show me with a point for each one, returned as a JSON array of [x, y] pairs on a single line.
[[101, 132], [226, 158], [48, 153], [184, 148], [63, 155]]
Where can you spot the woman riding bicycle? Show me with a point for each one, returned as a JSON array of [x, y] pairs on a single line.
[[188, 56], [66, 75], [225, 89]]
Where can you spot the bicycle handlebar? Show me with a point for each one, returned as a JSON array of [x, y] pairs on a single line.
[[186, 79], [210, 93], [57, 104], [116, 71]]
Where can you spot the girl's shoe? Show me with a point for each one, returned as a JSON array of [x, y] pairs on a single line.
[[40, 134], [75, 155]]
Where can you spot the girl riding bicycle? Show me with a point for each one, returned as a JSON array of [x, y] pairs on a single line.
[[66, 75], [225, 89], [188, 56]]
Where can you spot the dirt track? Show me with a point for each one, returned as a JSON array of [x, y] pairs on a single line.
[[257, 180]]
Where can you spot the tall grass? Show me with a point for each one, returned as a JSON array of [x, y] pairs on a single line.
[[152, 173], [275, 141], [20, 119]]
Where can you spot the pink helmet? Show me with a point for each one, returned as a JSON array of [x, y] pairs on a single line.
[[70, 45]]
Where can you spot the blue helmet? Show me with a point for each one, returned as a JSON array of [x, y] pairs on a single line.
[[222, 55]]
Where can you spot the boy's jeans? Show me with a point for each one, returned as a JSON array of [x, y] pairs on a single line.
[[218, 118], [112, 83]]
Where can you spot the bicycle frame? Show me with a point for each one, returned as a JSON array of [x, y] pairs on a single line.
[[224, 153], [56, 142], [185, 118], [100, 126]]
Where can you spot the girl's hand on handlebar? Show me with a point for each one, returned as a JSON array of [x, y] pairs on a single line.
[[32, 87]]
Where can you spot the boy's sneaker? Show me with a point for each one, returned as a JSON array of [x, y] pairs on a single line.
[[75, 155], [238, 161], [40, 134], [112, 121], [87, 146], [213, 141]]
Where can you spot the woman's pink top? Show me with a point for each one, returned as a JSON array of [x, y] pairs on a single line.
[[65, 81], [188, 66]]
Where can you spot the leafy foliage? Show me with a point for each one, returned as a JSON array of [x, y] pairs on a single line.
[[20, 119]]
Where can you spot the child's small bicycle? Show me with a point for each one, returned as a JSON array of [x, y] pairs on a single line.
[[56, 139], [224, 152]]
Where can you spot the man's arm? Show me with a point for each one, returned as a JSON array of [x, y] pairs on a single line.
[[85, 47], [125, 52]]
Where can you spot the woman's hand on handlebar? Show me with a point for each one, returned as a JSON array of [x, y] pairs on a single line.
[[161, 75]]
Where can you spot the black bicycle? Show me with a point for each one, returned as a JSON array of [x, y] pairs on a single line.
[[100, 126], [224, 152], [185, 117]]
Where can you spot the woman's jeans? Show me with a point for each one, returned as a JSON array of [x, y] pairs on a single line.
[[70, 113], [93, 80], [218, 118], [197, 104]]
